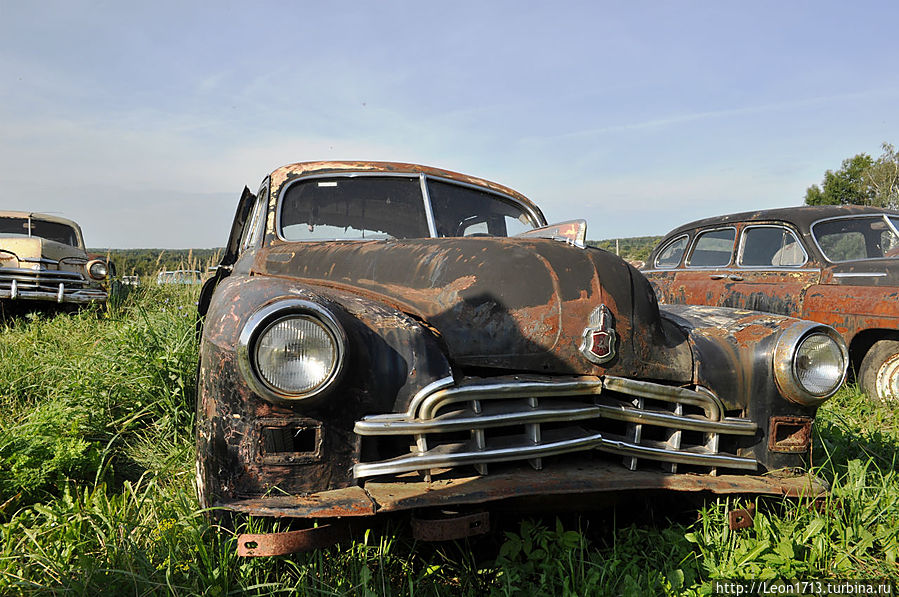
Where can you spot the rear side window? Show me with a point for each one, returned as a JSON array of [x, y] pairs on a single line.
[[851, 239], [713, 248], [467, 211], [771, 246], [672, 253]]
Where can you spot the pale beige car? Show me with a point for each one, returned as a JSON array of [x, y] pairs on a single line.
[[43, 259]]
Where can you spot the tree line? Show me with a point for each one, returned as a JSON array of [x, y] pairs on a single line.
[[861, 180], [148, 262]]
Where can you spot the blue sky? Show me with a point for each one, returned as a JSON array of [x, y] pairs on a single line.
[[144, 122]]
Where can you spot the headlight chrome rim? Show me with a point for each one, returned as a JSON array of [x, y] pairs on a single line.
[[97, 263], [785, 364], [267, 317]]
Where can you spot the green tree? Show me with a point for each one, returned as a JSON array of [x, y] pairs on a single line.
[[846, 186], [861, 180]]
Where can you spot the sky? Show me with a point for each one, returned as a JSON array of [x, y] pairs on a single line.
[[144, 121]]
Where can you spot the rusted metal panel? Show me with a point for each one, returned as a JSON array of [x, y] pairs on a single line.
[[741, 518], [288, 542], [335, 503]]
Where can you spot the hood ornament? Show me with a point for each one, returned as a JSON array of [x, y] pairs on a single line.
[[598, 340]]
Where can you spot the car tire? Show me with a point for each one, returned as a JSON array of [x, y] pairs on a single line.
[[879, 371]]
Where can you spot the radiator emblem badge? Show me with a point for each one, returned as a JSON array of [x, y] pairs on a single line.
[[598, 340]]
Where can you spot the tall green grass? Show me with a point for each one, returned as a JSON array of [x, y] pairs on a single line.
[[97, 497]]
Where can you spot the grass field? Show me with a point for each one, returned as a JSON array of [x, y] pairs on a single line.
[[97, 497]]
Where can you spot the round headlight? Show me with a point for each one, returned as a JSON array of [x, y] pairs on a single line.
[[810, 362], [819, 365], [296, 354], [291, 350], [97, 270]]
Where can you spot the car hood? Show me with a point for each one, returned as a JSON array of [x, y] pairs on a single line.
[[26, 252], [870, 272], [519, 304]]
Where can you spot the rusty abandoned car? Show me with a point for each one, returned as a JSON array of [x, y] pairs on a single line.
[[837, 265], [384, 337], [43, 262]]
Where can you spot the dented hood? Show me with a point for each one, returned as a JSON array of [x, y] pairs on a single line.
[[520, 304]]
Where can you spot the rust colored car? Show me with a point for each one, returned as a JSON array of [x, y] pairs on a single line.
[[43, 262], [837, 265], [384, 337]]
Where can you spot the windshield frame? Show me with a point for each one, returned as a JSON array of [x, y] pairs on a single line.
[[882, 215], [536, 220]]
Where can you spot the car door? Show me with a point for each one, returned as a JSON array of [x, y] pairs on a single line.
[[772, 271], [706, 268]]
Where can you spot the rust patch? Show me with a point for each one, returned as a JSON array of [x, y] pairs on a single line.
[[450, 528], [791, 435]]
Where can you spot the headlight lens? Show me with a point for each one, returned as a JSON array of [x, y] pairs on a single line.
[[292, 350], [818, 365], [296, 354], [97, 270], [810, 362]]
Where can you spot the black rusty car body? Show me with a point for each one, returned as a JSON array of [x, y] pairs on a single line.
[[837, 265], [385, 337]]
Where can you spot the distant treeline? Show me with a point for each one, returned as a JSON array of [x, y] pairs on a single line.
[[635, 248], [148, 262]]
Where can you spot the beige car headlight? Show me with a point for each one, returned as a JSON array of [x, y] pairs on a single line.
[[292, 350], [97, 269], [810, 363]]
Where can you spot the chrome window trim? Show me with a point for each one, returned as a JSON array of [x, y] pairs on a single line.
[[426, 198], [695, 240], [655, 262], [859, 275], [429, 209], [288, 184], [885, 216], [540, 222], [742, 245]]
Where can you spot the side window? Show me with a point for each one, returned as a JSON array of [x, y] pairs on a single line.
[[468, 211], [252, 232], [671, 255], [771, 246], [713, 248]]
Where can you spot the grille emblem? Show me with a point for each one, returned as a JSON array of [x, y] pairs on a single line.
[[598, 341]]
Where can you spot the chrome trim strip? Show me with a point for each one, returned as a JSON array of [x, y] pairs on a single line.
[[436, 459], [860, 275], [6, 272], [707, 401], [378, 426], [429, 209], [495, 391], [660, 419], [678, 456]]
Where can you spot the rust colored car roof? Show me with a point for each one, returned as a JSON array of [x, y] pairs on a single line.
[[802, 216], [284, 173]]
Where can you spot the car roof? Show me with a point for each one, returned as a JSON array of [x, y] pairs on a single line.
[[290, 171], [39, 216], [802, 216]]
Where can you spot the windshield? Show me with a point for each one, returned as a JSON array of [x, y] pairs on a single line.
[[353, 208], [854, 239], [54, 231], [468, 211]]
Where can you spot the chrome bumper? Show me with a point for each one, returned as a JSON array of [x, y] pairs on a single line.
[[530, 418], [47, 285]]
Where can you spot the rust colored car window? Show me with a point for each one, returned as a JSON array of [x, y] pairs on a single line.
[[855, 239], [344, 208], [464, 211]]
